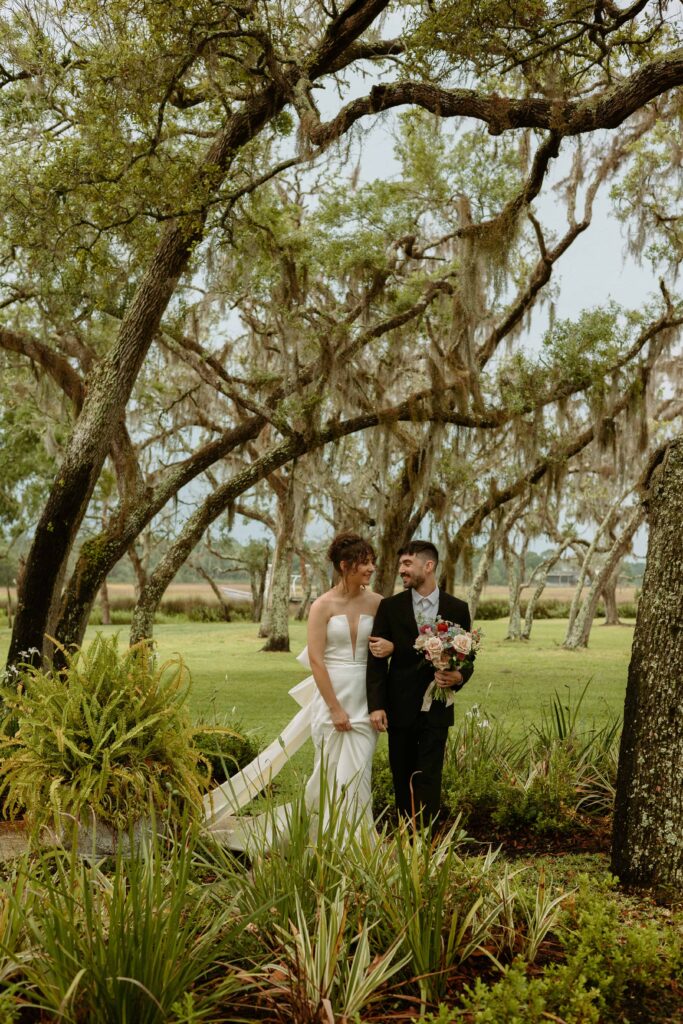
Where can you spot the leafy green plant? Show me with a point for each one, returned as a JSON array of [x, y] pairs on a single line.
[[104, 736], [330, 968], [130, 944], [559, 773], [224, 748], [442, 925]]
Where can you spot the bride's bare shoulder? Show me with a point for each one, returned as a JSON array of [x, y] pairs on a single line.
[[324, 603], [374, 599]]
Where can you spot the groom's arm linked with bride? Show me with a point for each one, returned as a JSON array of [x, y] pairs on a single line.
[[396, 688]]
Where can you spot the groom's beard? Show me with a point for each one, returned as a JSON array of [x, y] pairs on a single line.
[[413, 581]]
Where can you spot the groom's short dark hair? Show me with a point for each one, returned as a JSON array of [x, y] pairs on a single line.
[[425, 548]]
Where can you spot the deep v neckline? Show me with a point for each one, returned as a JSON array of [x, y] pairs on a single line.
[[354, 640]]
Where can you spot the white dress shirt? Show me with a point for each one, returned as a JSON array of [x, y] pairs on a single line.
[[426, 608]]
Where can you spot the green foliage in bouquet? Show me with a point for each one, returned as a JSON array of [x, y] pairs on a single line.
[[108, 734]]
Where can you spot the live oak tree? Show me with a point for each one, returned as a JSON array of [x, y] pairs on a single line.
[[647, 839], [138, 139], [111, 159], [151, 172]]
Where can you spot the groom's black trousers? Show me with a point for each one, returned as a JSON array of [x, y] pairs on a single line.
[[416, 755]]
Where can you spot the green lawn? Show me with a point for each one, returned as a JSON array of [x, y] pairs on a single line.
[[512, 681]]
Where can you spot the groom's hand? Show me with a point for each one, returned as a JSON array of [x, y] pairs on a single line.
[[447, 678], [379, 720]]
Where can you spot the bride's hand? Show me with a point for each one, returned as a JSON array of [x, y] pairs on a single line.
[[379, 647], [340, 720]]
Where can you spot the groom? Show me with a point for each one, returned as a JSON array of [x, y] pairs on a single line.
[[396, 686]]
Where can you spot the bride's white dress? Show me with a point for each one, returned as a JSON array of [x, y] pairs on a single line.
[[343, 760], [347, 755]]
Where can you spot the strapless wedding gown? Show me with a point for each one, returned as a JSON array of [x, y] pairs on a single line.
[[343, 760]]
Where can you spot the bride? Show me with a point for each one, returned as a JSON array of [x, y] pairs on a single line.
[[335, 716], [339, 636]]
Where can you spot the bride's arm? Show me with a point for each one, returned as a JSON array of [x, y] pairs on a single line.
[[317, 637], [380, 646]]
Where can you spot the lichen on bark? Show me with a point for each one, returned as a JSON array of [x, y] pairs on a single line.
[[647, 843]]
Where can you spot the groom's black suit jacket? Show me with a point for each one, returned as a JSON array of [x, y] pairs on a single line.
[[397, 685]]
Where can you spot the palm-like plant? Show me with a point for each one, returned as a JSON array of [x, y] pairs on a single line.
[[104, 737], [133, 944]]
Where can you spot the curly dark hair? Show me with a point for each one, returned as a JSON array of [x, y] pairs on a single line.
[[350, 548]]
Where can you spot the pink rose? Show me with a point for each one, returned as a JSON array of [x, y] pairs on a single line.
[[433, 648], [462, 645]]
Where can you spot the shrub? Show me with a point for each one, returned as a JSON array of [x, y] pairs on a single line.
[[225, 749], [556, 773], [106, 734], [140, 943], [547, 608], [609, 969], [492, 609]]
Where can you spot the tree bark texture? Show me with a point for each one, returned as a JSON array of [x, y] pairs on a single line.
[[105, 605], [609, 596], [540, 578], [647, 840], [579, 634], [482, 573], [288, 529]]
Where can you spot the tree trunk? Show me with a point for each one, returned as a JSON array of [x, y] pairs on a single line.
[[306, 590], [541, 578], [218, 593], [447, 565], [90, 441], [579, 634], [515, 570], [111, 386], [647, 839], [278, 637], [397, 522], [287, 536], [482, 574], [9, 607], [104, 604], [585, 567], [257, 582], [609, 596]]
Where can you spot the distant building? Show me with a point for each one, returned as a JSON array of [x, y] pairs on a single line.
[[563, 576]]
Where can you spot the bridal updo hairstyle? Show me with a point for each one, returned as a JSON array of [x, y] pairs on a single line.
[[350, 548]]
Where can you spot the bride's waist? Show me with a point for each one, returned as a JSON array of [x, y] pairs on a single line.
[[340, 664]]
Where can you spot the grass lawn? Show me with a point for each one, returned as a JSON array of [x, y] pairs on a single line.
[[513, 682]]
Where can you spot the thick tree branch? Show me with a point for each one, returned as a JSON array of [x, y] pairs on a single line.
[[566, 117], [54, 364]]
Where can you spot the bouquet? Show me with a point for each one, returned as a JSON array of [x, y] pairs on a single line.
[[446, 646]]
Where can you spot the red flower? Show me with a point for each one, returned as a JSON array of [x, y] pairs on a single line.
[[442, 627]]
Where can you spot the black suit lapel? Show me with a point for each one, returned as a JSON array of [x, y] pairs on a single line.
[[408, 612]]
